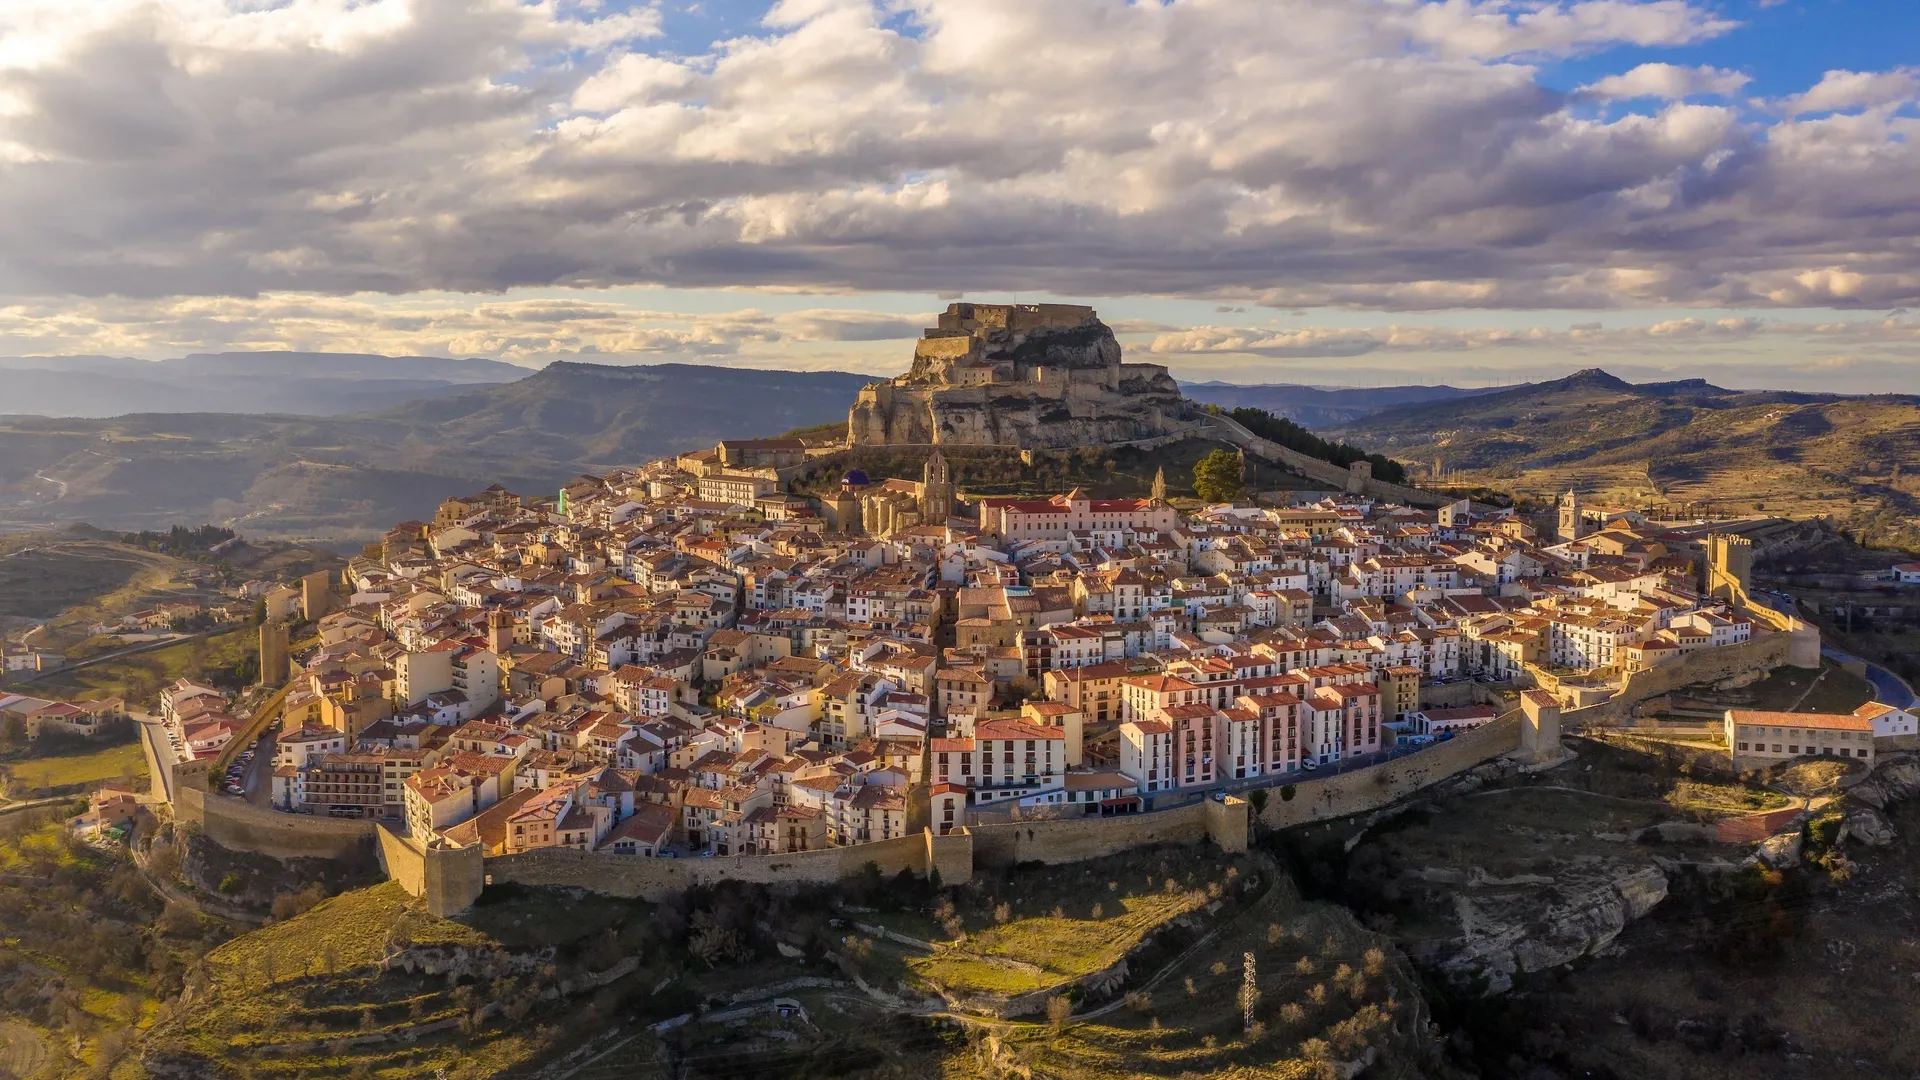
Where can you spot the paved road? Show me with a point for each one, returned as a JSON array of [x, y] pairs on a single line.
[[259, 775], [103, 658], [1888, 688]]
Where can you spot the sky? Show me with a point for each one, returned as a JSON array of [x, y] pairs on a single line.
[[1335, 192]]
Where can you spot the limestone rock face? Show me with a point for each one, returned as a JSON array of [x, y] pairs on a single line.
[[1041, 376], [1893, 780], [1781, 850], [1502, 939], [1868, 827]]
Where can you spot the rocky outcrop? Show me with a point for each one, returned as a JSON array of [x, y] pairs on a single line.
[[1781, 850], [461, 962], [1041, 376], [1865, 825], [1507, 935], [1893, 779]]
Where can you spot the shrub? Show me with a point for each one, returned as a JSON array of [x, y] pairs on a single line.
[[1059, 1009]]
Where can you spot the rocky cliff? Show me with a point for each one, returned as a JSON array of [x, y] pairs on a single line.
[[1028, 376]]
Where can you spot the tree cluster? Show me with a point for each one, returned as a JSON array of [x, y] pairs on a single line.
[[1281, 430]]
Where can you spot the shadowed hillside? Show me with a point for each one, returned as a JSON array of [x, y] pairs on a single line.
[[298, 383], [1688, 443], [1319, 408], [353, 475]]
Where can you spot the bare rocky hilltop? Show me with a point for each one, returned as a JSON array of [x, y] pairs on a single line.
[[1033, 376]]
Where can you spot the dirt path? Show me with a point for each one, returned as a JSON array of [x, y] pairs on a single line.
[[22, 1051]]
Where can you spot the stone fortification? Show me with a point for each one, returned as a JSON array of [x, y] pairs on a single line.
[[238, 826], [1382, 785], [1034, 376]]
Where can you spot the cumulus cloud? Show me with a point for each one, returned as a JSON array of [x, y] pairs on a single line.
[[1838, 90], [1668, 81], [1399, 154]]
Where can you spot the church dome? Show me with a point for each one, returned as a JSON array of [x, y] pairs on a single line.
[[855, 478]]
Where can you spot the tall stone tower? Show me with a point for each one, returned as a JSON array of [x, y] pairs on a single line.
[[1573, 523], [499, 632], [1729, 570], [1158, 493], [316, 595], [936, 490], [273, 652]]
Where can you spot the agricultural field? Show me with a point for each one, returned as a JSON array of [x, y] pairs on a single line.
[[43, 575], [76, 766], [223, 659], [1325, 992], [1037, 930]]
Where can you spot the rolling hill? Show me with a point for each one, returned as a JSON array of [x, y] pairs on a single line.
[[350, 476], [1688, 444], [1320, 407]]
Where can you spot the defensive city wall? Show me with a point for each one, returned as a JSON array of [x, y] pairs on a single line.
[[240, 826], [1382, 785], [1358, 480], [450, 879]]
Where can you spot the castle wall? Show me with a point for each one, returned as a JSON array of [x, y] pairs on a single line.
[[653, 879], [1756, 656], [241, 826], [1325, 472], [1068, 840], [1382, 785], [449, 880]]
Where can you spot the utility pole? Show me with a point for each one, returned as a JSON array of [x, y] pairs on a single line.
[[1249, 992]]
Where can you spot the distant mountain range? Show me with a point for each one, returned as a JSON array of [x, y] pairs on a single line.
[[353, 475], [290, 383], [1321, 407], [453, 426], [1688, 443]]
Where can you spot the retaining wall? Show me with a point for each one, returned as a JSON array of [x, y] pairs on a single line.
[[1370, 789], [653, 879], [1063, 840], [953, 856], [241, 826], [1755, 656]]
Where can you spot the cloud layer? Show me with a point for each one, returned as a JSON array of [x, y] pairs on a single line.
[[530, 331], [1394, 154]]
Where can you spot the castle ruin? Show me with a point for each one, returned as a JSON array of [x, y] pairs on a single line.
[[1033, 376]]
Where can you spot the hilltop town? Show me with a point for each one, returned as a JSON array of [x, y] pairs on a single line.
[[849, 671], [683, 660]]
